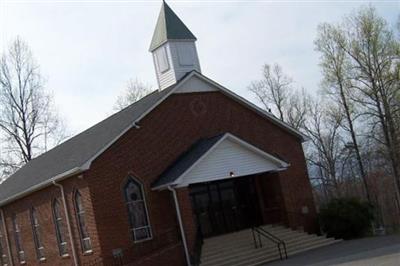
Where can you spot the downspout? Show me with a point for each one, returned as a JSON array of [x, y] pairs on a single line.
[[3, 220], [71, 239], [178, 214]]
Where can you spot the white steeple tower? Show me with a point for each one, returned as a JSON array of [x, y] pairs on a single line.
[[173, 48]]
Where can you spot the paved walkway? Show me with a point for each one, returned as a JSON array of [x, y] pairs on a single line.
[[374, 251]]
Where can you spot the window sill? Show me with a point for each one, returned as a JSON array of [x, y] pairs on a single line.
[[22, 262], [42, 259], [65, 256], [142, 240], [88, 252]]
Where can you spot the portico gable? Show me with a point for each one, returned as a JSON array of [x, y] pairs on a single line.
[[221, 157]]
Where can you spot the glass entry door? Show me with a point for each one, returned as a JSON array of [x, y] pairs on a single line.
[[225, 206]]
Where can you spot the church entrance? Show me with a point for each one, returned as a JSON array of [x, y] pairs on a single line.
[[225, 206]]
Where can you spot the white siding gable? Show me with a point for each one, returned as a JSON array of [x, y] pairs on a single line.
[[230, 158], [195, 84]]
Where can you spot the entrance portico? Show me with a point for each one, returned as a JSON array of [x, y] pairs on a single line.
[[218, 158], [220, 177]]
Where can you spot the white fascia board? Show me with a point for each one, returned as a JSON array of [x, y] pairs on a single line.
[[255, 107], [165, 97], [42, 185], [185, 184], [88, 163], [68, 173], [163, 187]]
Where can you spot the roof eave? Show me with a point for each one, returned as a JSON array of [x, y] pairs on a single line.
[[48, 182], [282, 165]]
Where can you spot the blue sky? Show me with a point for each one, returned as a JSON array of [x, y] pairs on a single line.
[[89, 50]]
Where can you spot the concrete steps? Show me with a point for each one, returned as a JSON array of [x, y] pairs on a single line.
[[237, 249]]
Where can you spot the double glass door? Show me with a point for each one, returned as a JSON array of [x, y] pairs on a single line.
[[225, 206]]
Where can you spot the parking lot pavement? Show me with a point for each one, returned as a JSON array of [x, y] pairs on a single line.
[[374, 251]]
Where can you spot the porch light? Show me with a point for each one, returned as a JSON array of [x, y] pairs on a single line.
[[231, 174]]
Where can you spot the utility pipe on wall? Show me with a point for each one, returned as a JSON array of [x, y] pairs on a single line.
[[71, 238], [3, 220], [178, 214]]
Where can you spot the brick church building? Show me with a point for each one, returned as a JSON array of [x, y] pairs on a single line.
[[190, 161]]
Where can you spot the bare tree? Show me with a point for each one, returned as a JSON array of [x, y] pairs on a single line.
[[374, 56], [273, 89], [135, 90], [326, 151], [297, 109], [276, 94], [337, 82], [28, 121]]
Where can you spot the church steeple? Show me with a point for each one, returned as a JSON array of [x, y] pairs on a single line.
[[173, 48]]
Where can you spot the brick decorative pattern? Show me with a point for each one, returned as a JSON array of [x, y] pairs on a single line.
[[144, 153]]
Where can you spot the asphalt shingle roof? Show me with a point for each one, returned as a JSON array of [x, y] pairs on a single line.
[[186, 160], [169, 27], [76, 151]]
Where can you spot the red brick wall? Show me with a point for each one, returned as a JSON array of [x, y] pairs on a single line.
[[42, 201], [269, 192], [166, 133], [145, 153]]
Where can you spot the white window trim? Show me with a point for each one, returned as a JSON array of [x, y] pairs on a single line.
[[157, 55], [35, 231], [57, 220], [21, 252], [17, 236], [78, 215], [3, 254], [181, 58], [146, 210]]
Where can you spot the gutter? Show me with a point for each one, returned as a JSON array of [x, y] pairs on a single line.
[[3, 220], [178, 214], [42, 185], [71, 239]]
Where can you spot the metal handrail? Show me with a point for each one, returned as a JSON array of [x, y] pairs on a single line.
[[273, 238]]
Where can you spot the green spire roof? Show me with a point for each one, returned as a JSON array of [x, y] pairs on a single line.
[[169, 27]]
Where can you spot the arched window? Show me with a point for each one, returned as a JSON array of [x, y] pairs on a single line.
[[36, 234], [60, 229], [17, 238], [3, 255], [137, 211], [80, 214]]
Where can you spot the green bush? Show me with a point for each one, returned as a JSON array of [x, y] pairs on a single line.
[[346, 218]]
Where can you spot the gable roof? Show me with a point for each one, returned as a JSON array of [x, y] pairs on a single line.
[[175, 175], [186, 160], [169, 27], [75, 154], [214, 86]]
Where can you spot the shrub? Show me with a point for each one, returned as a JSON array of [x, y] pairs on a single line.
[[346, 218]]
